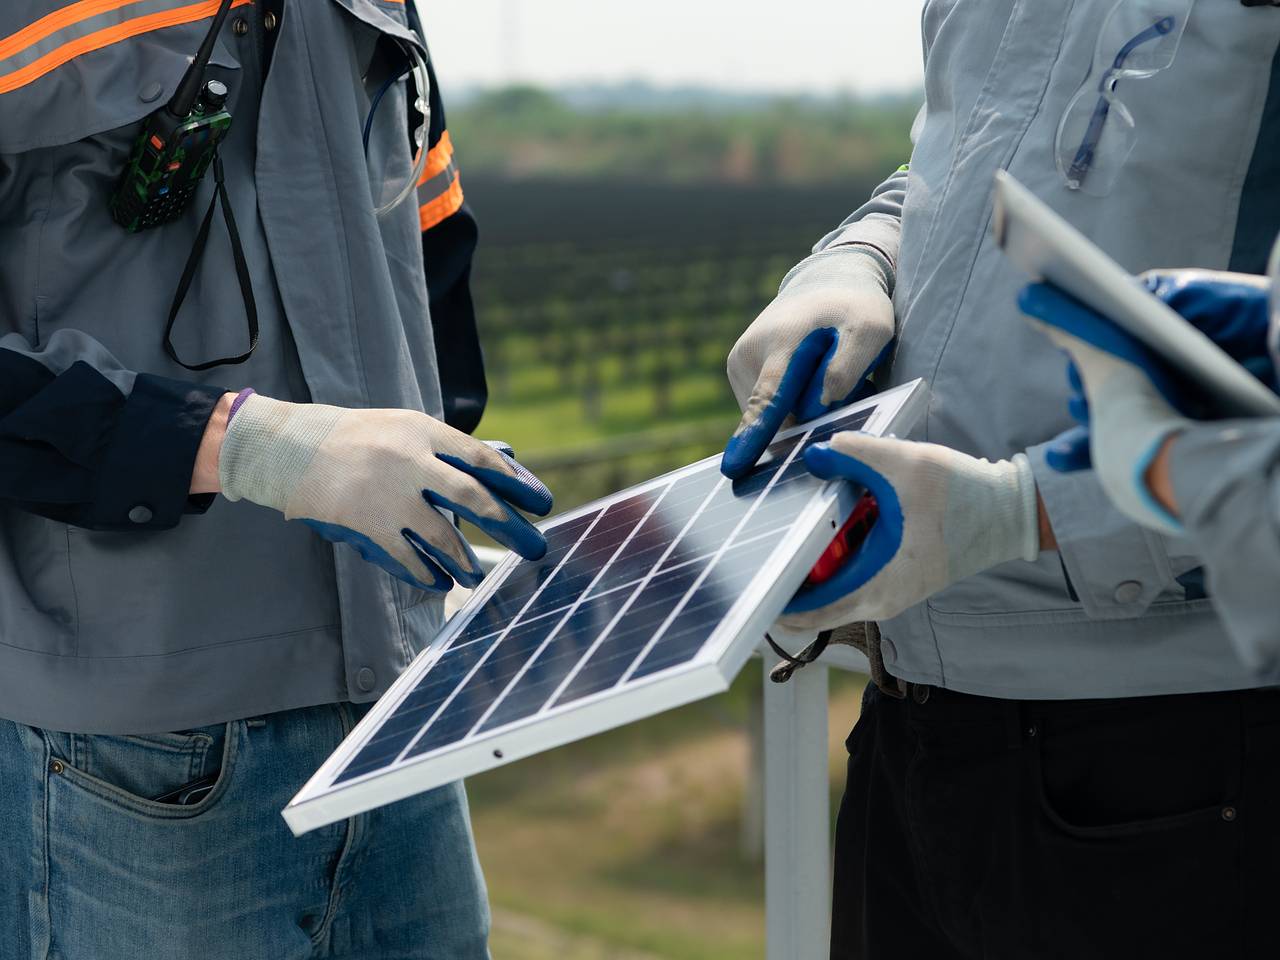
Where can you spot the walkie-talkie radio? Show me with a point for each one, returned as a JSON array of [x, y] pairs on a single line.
[[176, 147], [178, 144]]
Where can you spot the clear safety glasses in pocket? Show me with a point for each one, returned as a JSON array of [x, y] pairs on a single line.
[[400, 190], [1139, 38]]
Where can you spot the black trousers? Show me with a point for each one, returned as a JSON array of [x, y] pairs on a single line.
[[1138, 828]]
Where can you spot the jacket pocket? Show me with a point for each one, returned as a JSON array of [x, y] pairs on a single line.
[[72, 102], [41, 612]]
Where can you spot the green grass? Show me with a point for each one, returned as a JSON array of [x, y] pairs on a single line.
[[544, 424], [544, 417]]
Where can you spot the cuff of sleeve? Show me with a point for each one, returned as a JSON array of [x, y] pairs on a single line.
[[881, 232], [1116, 567], [841, 265], [144, 478]]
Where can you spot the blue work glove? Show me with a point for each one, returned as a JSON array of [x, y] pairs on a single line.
[[943, 516], [378, 480], [1232, 309], [811, 349], [1127, 400]]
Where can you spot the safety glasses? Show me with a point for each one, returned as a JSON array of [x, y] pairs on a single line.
[[1138, 39], [400, 190]]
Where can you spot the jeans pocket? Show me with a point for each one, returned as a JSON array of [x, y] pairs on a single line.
[[132, 772]]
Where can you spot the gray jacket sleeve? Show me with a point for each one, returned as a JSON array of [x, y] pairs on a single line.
[[1226, 477], [876, 224]]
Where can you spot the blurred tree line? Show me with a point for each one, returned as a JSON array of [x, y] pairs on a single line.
[[527, 132]]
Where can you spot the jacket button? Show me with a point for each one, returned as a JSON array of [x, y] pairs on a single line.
[[239, 26], [365, 679], [1129, 592], [151, 93], [141, 514], [269, 20]]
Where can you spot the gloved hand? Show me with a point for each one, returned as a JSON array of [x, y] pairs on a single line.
[[943, 516], [377, 480], [1229, 308], [1126, 399], [811, 349]]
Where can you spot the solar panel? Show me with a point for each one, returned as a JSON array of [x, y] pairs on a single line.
[[645, 601]]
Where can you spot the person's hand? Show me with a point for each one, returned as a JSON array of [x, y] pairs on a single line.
[[378, 480], [1124, 399], [811, 349], [1128, 402], [1229, 308], [943, 516]]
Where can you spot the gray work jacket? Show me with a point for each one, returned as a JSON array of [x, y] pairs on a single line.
[[1226, 477], [1117, 611], [106, 628]]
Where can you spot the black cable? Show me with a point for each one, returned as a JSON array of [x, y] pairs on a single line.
[[189, 272], [377, 99], [806, 656]]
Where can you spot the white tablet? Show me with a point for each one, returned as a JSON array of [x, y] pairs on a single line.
[[1048, 248]]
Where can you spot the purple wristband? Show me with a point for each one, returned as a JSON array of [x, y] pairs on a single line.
[[241, 397]]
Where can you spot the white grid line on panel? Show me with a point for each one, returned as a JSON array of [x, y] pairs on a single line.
[[644, 582], [554, 632], [763, 535], [675, 612], [622, 611], [640, 585], [479, 663]]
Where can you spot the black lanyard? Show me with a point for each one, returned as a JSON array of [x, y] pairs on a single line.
[[242, 274]]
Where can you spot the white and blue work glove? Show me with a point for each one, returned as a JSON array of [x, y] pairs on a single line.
[[1126, 400], [379, 481], [943, 516], [812, 348]]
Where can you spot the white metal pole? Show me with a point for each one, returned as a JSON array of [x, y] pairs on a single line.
[[797, 811]]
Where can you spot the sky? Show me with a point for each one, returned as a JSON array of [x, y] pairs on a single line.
[[782, 46]]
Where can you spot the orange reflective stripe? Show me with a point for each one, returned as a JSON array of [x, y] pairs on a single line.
[[104, 38], [438, 158], [442, 207], [53, 22]]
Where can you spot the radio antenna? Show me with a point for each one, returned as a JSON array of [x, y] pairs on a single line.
[[184, 98]]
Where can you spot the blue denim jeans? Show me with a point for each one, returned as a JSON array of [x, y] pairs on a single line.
[[93, 868]]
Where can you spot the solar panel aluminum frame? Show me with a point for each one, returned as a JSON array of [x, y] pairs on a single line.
[[322, 801]]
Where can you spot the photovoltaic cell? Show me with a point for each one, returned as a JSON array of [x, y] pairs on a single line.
[[623, 593]]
